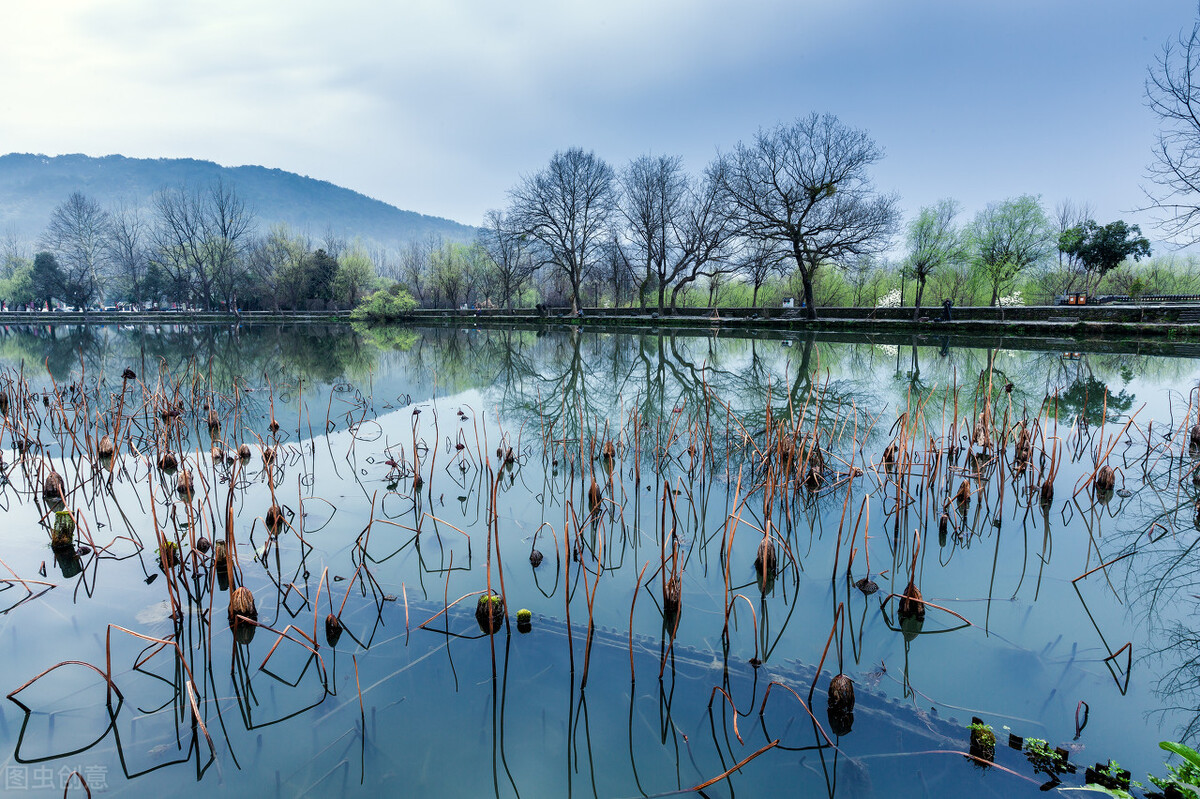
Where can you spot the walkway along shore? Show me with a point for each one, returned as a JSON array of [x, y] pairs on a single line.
[[1179, 322]]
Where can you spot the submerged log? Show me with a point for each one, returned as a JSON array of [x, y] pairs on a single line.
[[63, 535]]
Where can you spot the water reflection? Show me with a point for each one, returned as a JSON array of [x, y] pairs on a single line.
[[415, 472]]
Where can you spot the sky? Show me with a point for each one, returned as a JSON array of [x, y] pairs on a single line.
[[440, 106]]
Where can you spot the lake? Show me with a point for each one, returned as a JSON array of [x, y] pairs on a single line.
[[414, 473]]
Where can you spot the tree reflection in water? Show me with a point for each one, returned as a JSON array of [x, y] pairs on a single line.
[[701, 449]]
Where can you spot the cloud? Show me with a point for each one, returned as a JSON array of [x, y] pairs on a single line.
[[439, 106]]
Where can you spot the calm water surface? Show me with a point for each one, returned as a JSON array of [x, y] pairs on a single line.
[[414, 697]]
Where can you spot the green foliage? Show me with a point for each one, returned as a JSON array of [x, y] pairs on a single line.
[[934, 243], [46, 277], [1100, 249], [387, 337], [1042, 757], [1007, 238], [355, 275], [1163, 275], [17, 289], [385, 305], [1186, 775], [320, 270]]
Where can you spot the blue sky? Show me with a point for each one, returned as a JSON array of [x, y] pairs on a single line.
[[439, 106]]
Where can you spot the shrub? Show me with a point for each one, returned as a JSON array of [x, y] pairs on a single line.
[[386, 304]]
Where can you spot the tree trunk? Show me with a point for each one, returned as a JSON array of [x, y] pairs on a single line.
[[995, 294], [806, 279], [917, 301]]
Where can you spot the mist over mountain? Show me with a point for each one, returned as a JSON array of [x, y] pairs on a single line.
[[32, 185]]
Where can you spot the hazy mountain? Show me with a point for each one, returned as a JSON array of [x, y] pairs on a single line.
[[32, 185]]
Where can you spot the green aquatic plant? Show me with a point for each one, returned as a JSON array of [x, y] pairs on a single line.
[[1042, 757], [1185, 776]]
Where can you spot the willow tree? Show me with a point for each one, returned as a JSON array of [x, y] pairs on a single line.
[[806, 186], [934, 242], [1008, 238]]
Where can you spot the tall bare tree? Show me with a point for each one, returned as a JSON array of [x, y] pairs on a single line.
[[806, 186], [566, 207], [127, 253], [77, 236], [510, 262], [200, 236], [414, 268], [1173, 94], [678, 227]]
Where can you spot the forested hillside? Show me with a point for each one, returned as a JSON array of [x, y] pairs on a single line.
[[31, 186]]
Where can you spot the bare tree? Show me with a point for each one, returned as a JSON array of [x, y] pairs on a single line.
[[678, 227], [702, 237], [1068, 214], [618, 271], [276, 264], [934, 242], [15, 253], [415, 261], [77, 236], [806, 186], [566, 207], [127, 253], [758, 260], [199, 239], [652, 194], [510, 258], [1173, 94], [229, 225]]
